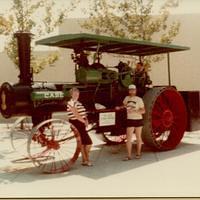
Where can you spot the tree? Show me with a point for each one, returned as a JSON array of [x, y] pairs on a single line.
[[133, 19], [39, 17]]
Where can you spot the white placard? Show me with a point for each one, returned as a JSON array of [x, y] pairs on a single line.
[[107, 119]]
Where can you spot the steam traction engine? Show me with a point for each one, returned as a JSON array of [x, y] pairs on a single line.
[[54, 144]]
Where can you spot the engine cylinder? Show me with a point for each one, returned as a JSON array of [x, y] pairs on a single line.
[[15, 100]]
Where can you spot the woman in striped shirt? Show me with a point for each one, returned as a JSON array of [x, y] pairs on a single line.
[[78, 117]]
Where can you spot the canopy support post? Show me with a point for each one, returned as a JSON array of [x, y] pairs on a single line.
[[169, 72], [140, 58]]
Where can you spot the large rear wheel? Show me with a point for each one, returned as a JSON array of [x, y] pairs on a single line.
[[165, 118]]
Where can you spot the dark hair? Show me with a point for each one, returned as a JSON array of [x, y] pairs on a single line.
[[74, 89]]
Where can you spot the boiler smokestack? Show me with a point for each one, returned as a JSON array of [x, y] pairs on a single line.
[[24, 54]]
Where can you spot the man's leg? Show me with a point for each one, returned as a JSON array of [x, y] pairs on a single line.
[[129, 135], [138, 133]]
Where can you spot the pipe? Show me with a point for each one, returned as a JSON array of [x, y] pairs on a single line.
[[24, 54], [169, 70]]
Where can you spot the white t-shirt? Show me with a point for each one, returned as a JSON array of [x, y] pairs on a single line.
[[136, 103]]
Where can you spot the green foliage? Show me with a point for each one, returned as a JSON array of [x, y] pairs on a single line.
[[23, 16], [133, 19]]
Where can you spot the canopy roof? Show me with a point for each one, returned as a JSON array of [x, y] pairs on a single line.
[[91, 42]]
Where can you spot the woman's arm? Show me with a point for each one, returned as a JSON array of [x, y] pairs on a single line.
[[86, 121]]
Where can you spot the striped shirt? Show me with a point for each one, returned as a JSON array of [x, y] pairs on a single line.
[[79, 107]]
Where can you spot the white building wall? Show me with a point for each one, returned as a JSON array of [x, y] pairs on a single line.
[[8, 71], [185, 66]]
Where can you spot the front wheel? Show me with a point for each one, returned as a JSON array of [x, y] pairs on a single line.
[[54, 146]]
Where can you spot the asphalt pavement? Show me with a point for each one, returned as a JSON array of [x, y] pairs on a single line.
[[173, 173]]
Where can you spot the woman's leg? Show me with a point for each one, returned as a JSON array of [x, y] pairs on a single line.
[[87, 147], [138, 133], [86, 142], [87, 152], [84, 156], [81, 128], [129, 135]]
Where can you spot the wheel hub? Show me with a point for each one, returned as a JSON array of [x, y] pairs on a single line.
[[53, 145], [167, 118]]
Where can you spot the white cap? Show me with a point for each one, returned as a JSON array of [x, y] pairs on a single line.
[[131, 87]]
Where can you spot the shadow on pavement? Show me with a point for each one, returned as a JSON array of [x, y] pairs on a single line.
[[107, 161]]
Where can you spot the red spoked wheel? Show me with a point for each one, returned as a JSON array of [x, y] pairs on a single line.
[[165, 118], [54, 146]]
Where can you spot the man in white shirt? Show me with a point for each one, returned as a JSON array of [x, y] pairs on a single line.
[[135, 109]]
